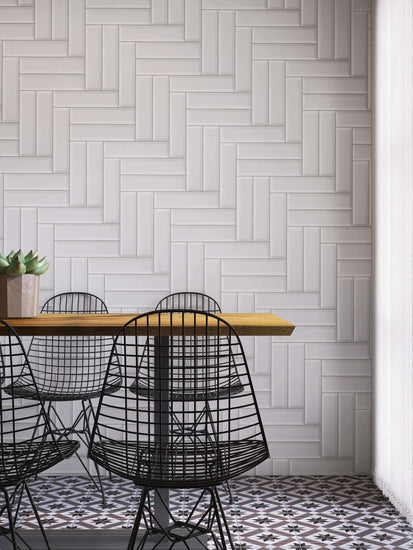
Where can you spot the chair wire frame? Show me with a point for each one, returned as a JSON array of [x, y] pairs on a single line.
[[148, 437], [28, 445], [70, 368]]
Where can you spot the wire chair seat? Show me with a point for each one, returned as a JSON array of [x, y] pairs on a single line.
[[27, 458], [179, 465]]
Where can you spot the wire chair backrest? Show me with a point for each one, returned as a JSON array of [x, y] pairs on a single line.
[[70, 365], [22, 422], [156, 426], [189, 300]]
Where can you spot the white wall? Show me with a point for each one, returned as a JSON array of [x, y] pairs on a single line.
[[221, 149], [393, 252]]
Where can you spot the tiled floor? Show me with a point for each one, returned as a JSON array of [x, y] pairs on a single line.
[[284, 512]]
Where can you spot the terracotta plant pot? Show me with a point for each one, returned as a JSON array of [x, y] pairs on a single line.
[[19, 295]]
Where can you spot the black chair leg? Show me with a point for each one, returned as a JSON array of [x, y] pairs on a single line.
[[220, 518], [11, 520], [36, 513], [138, 520]]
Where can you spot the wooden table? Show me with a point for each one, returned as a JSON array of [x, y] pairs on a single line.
[[102, 324], [92, 324]]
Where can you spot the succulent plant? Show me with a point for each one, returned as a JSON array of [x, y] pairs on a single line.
[[16, 263]]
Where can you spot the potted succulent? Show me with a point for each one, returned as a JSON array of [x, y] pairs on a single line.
[[19, 283]]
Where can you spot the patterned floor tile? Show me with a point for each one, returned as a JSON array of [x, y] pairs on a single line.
[[268, 513]]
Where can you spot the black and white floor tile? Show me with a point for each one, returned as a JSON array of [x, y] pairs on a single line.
[[268, 513]]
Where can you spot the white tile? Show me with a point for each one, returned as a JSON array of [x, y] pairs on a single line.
[[28, 239], [121, 266], [69, 215], [284, 51], [18, 31], [295, 450], [207, 233], [144, 108], [51, 82], [38, 48], [159, 11], [346, 425], [168, 66], [310, 143], [362, 309], [233, 4], [179, 269], [226, 42], [14, 14], [236, 250], [252, 167], [325, 29], [261, 203], [157, 182], [248, 134], [161, 108], [111, 191], [295, 259], [137, 281], [345, 309], [176, 12], [350, 268], [346, 384], [320, 218], [153, 166], [9, 147], [94, 171], [279, 379], [293, 109], [86, 249], [12, 229], [220, 100], [215, 117], [85, 99], [311, 259], [343, 367], [243, 59], [302, 184], [344, 159], [312, 395], [363, 401], [76, 27], [25, 164], [78, 174], [186, 200], [329, 425], [177, 125], [284, 35], [362, 135], [110, 69], [260, 92], [128, 233], [276, 82], [60, 19], [319, 201], [195, 266], [361, 193], [334, 85], [353, 119], [212, 279], [361, 152], [124, 16], [60, 140], [36, 181], [163, 49], [293, 433], [150, 33], [102, 116], [359, 43], [44, 123], [278, 232], [204, 83], [36, 198], [87, 231], [363, 442], [137, 149], [9, 130], [245, 205], [342, 28], [328, 275], [96, 132], [209, 42], [327, 139], [227, 171], [27, 123], [354, 252], [317, 68], [210, 159], [78, 277], [346, 235], [266, 18], [292, 300], [296, 377], [193, 20], [194, 158], [10, 89], [328, 102], [126, 74], [309, 12], [42, 19], [162, 241]]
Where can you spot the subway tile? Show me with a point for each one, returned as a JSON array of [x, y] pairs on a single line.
[[312, 392], [221, 100], [261, 202], [346, 384], [309, 12], [110, 69], [20, 165], [266, 18], [284, 51], [193, 24], [349, 268], [177, 125], [160, 108], [290, 300], [36, 198], [278, 226], [347, 367], [164, 50], [37, 48], [342, 34], [328, 275], [362, 308], [334, 85], [251, 134], [227, 175], [226, 42], [311, 259], [318, 218], [363, 441], [166, 66], [243, 59], [204, 83], [344, 160], [10, 89], [276, 93], [102, 115], [345, 309], [296, 378], [195, 264], [346, 425], [94, 174], [318, 201], [111, 190], [328, 102], [76, 27], [209, 42], [51, 65], [85, 99], [87, 231], [310, 143], [236, 250], [60, 20], [215, 117], [188, 199], [293, 109], [128, 229], [353, 119], [152, 166], [327, 143], [159, 11], [253, 266], [78, 174], [260, 90], [97, 132], [361, 193], [176, 12], [295, 259], [73, 215], [144, 108], [42, 19], [114, 16], [179, 266], [325, 29], [359, 43], [279, 380], [266, 167], [354, 252], [151, 33], [245, 212], [17, 31], [51, 82], [136, 149], [346, 235], [27, 123], [284, 35], [244, 283], [317, 68], [36, 181], [210, 158], [145, 224], [127, 74], [329, 425], [302, 184], [194, 158]]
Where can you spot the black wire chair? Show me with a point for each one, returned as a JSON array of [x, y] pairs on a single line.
[[134, 435], [70, 368], [27, 444], [189, 300]]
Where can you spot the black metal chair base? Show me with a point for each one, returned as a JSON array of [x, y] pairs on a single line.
[[178, 531], [10, 533]]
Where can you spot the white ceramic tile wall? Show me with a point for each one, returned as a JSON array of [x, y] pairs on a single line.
[[217, 145]]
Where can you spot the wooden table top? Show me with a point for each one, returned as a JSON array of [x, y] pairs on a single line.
[[81, 324]]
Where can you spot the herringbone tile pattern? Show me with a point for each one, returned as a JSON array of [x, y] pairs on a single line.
[[214, 145]]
